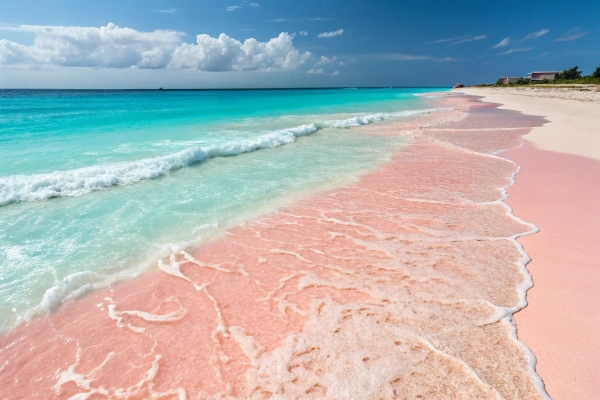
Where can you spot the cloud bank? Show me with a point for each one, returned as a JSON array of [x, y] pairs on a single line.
[[113, 47]]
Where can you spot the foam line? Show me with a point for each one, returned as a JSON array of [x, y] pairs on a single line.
[[81, 181]]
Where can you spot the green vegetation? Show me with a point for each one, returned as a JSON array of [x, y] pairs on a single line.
[[569, 76]]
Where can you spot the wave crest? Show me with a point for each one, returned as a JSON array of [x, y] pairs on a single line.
[[78, 182], [81, 181]]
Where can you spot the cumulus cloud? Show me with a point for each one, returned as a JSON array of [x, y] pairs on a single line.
[[502, 43], [535, 35], [232, 8], [335, 73], [278, 20], [303, 33], [324, 60], [228, 54], [254, 5], [471, 39], [314, 71], [518, 50], [330, 34], [114, 47], [573, 34], [169, 11], [107, 46]]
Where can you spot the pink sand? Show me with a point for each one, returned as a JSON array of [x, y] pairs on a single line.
[[561, 324], [399, 285]]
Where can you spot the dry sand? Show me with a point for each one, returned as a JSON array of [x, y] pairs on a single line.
[[558, 189], [574, 114]]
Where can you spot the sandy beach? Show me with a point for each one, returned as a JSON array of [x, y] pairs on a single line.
[[405, 283], [558, 189], [402, 284]]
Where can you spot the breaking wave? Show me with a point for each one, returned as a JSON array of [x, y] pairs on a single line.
[[81, 181], [78, 182], [367, 119]]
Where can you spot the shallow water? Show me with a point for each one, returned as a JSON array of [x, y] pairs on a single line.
[[95, 185]]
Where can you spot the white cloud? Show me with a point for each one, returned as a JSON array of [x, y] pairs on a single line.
[[451, 39], [315, 71], [335, 73], [169, 11], [228, 54], [114, 47], [573, 34], [409, 57], [471, 39], [518, 50], [502, 43], [324, 60], [108, 46], [535, 35], [243, 3], [303, 33], [278, 20], [330, 34]]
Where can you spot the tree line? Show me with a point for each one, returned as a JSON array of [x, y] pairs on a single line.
[[571, 75]]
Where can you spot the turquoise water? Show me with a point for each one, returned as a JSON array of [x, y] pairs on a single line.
[[96, 185]]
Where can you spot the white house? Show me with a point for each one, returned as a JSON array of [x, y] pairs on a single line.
[[543, 75]]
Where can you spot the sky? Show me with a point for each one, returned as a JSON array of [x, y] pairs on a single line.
[[290, 43]]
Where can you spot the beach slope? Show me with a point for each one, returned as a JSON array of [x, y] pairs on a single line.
[[558, 189]]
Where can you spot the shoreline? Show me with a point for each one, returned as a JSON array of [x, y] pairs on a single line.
[[557, 189], [412, 272]]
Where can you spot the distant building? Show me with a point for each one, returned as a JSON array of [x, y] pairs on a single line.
[[511, 79], [543, 75]]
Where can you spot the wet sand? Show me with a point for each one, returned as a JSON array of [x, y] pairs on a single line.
[[401, 285], [561, 324], [558, 189]]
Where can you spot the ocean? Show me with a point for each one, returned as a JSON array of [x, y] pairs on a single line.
[[95, 186]]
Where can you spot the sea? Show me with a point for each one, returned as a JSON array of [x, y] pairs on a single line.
[[96, 186]]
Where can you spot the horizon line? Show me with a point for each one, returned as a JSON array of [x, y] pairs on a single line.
[[233, 89]]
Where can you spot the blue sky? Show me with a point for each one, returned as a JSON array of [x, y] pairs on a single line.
[[302, 43]]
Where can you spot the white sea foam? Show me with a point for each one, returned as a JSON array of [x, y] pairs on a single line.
[[355, 121], [368, 119], [81, 181], [78, 182]]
